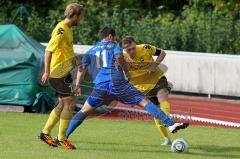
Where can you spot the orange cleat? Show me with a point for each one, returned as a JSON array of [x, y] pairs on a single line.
[[65, 143], [47, 138]]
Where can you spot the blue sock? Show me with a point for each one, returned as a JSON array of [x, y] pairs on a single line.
[[159, 114], [75, 122]]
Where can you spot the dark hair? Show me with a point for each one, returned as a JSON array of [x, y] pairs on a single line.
[[128, 40], [107, 31]]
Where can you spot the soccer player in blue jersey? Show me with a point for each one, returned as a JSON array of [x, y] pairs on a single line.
[[111, 79]]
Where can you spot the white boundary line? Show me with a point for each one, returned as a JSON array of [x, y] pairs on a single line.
[[206, 120], [187, 117]]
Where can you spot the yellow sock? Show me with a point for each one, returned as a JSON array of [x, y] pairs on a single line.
[[162, 129], [165, 106], [65, 118], [164, 132], [52, 120]]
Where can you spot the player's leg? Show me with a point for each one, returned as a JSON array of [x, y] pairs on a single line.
[[159, 96], [79, 117], [161, 127], [86, 110], [62, 89], [131, 96], [65, 118], [163, 131], [94, 100], [53, 118], [156, 112], [165, 106]]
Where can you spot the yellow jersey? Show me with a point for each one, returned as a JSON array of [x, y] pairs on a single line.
[[138, 70], [61, 47]]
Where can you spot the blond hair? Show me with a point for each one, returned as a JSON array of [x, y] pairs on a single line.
[[127, 41], [73, 9]]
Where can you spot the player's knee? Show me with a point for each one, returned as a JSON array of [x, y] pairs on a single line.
[[59, 105], [69, 103], [87, 108], [162, 94], [144, 102]]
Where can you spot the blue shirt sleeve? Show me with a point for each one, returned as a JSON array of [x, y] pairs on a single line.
[[117, 49], [86, 60]]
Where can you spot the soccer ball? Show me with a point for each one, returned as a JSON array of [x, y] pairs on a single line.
[[179, 146]]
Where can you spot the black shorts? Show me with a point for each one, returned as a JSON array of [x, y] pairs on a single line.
[[62, 86], [161, 84]]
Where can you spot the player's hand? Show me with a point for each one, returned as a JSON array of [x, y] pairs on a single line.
[[153, 68], [77, 90], [129, 63], [45, 78]]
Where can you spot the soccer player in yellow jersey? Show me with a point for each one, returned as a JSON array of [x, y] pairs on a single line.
[[147, 77], [59, 61]]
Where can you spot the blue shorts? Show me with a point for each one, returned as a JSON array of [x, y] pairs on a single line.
[[123, 92]]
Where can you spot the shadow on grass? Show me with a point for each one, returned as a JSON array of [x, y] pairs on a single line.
[[207, 150], [135, 147], [217, 148], [217, 151]]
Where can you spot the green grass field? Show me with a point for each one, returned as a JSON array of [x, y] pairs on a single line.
[[101, 139]]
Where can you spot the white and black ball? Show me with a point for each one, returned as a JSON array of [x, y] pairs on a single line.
[[180, 146]]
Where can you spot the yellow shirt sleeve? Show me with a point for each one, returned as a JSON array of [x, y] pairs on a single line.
[[150, 49], [56, 39]]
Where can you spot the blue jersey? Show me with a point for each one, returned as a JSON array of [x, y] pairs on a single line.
[[102, 57], [89, 60]]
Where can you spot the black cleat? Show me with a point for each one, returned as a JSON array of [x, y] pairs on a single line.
[[177, 126]]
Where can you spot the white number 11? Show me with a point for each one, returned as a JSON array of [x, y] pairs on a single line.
[[104, 58]]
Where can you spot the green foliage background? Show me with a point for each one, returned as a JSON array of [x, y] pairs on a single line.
[[188, 25]]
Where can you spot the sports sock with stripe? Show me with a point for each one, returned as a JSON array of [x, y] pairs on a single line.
[[65, 119], [52, 120], [158, 113], [76, 121], [162, 129]]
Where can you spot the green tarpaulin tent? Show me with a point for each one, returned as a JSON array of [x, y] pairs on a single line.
[[21, 60]]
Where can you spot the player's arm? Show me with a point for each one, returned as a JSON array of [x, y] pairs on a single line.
[[118, 53], [80, 76], [47, 61], [82, 68], [123, 64], [53, 44], [161, 55]]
